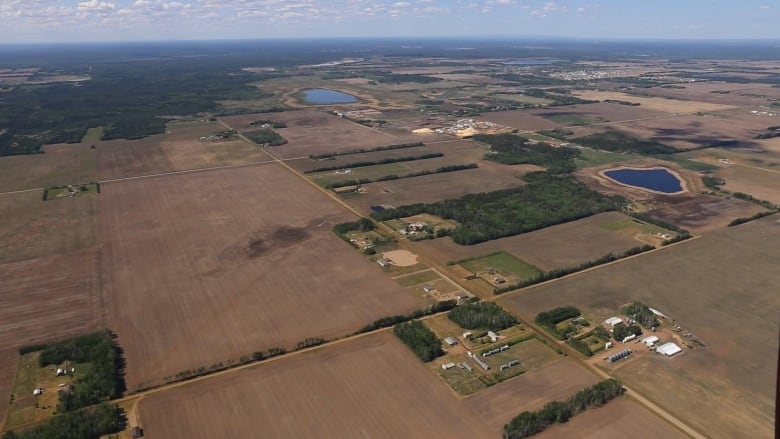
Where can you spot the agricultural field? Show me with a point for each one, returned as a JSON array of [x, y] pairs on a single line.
[[742, 95], [32, 228], [243, 266], [369, 386], [700, 285], [678, 106], [58, 165], [179, 150], [307, 164]]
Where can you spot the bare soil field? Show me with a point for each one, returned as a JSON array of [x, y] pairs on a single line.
[[58, 165], [653, 103], [316, 132], [222, 263], [620, 418], [558, 246], [741, 95], [497, 405], [699, 284], [369, 387], [31, 227], [761, 183], [179, 150]]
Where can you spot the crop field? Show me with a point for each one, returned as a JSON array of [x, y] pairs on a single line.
[[562, 245], [316, 132], [619, 418], [31, 227], [504, 264], [742, 95], [652, 103], [761, 183], [221, 263], [369, 387], [59, 165], [524, 120], [704, 285], [179, 150]]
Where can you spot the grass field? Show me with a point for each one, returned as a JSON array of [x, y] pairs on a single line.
[[93, 135], [503, 265], [683, 282], [370, 387], [594, 157], [243, 266], [58, 165]]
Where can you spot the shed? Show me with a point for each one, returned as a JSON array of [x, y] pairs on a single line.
[[467, 334], [383, 262], [447, 366], [650, 341], [612, 321], [668, 349], [450, 341], [428, 288], [493, 336]]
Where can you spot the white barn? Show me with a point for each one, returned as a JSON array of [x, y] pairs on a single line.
[[668, 349]]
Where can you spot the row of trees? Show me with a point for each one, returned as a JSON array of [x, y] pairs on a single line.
[[421, 340], [364, 150], [482, 315], [549, 320], [384, 161], [386, 322], [548, 199], [530, 423], [441, 170], [88, 423], [510, 149]]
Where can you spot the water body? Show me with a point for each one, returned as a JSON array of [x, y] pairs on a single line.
[[660, 180], [326, 96], [531, 62], [377, 208]]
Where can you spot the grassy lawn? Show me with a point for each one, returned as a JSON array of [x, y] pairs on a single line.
[[93, 135], [417, 278], [592, 157], [62, 192], [505, 264]]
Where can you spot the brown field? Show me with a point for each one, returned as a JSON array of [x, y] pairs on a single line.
[[179, 150], [620, 418], [316, 132], [59, 165], [742, 95], [369, 387], [32, 228], [758, 182], [558, 246], [221, 263], [652, 103], [523, 120], [699, 284], [306, 164]]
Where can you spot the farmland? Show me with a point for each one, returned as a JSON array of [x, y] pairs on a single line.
[[239, 272], [680, 285], [59, 164]]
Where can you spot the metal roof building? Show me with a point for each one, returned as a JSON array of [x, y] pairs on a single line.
[[668, 349], [612, 321]]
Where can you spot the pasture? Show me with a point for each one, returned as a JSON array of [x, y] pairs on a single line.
[[708, 287], [58, 165], [220, 264], [368, 387]]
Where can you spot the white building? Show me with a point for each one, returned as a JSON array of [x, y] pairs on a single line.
[[447, 366], [650, 341], [450, 341], [612, 321], [668, 349], [493, 336]]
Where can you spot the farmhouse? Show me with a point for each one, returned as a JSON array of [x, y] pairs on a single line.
[[612, 321], [668, 349]]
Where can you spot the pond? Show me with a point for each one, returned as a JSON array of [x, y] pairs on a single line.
[[326, 96], [657, 179]]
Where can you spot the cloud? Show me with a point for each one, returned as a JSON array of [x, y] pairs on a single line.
[[95, 5]]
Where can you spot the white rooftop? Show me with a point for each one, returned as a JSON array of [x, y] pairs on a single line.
[[668, 349], [650, 340], [612, 321]]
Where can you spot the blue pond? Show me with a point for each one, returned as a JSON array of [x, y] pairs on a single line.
[[325, 96], [377, 208], [659, 180]]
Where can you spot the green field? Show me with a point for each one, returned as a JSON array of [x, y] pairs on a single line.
[[417, 278], [592, 157], [504, 263], [93, 135]]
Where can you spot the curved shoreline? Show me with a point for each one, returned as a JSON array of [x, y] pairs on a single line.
[[683, 183]]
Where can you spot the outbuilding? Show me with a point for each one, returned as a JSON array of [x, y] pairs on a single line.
[[447, 366], [612, 321], [450, 341], [493, 336], [668, 349], [650, 341]]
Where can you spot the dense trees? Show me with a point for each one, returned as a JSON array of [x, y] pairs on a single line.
[[386, 322], [510, 149], [618, 141], [641, 313], [482, 315], [529, 423], [89, 423], [550, 319], [266, 136], [621, 331], [421, 340], [546, 200]]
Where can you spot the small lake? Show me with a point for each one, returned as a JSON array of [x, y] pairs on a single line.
[[326, 96], [660, 180]]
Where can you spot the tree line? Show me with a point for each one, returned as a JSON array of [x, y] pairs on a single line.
[[385, 161], [364, 150], [386, 322], [441, 170], [510, 149], [482, 315], [549, 320]]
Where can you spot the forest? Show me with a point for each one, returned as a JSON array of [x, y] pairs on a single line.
[[266, 136], [88, 423], [510, 149], [482, 315], [618, 141], [421, 340]]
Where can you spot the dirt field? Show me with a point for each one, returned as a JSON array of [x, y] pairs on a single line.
[[222, 263], [502, 402], [698, 283], [316, 132], [180, 150], [31, 227], [553, 247], [372, 387], [758, 182], [620, 418], [652, 103], [742, 95], [59, 165]]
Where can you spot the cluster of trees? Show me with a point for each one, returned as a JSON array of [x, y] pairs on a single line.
[[271, 123], [384, 161], [618, 141], [482, 315], [580, 344], [421, 340], [386, 322], [713, 183], [749, 198], [513, 150], [266, 136], [364, 150], [530, 423], [548, 199], [549, 320], [560, 272], [739, 221], [619, 102], [441, 170], [621, 331], [559, 96], [556, 133], [88, 423], [641, 313], [104, 377], [363, 225]]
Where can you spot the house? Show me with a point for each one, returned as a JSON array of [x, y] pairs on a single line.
[[450, 341], [384, 262], [612, 321], [650, 341], [428, 288], [493, 336], [499, 280], [668, 349], [447, 366]]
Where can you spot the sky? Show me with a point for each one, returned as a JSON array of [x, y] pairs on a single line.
[[44, 21]]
